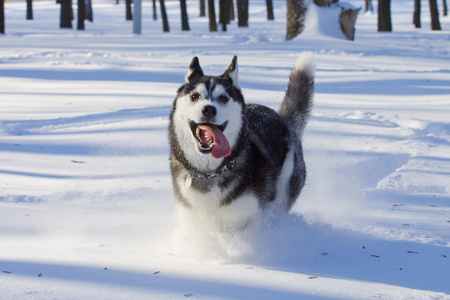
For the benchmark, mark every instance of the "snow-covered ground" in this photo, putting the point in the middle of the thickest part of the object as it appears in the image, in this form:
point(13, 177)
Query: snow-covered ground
point(86, 205)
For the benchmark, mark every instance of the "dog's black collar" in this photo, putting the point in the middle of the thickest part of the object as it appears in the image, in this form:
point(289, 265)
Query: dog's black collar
point(194, 173)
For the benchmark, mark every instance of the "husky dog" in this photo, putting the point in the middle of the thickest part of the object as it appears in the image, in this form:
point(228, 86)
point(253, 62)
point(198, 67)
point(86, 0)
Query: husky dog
point(230, 160)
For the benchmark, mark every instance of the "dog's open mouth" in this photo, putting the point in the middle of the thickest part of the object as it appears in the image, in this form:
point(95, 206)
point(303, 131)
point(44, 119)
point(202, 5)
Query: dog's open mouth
point(210, 138)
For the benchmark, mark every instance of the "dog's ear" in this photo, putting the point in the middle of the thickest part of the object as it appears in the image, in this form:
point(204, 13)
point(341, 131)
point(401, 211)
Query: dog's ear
point(232, 73)
point(195, 71)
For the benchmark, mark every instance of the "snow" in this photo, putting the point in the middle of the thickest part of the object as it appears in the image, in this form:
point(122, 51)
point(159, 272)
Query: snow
point(86, 203)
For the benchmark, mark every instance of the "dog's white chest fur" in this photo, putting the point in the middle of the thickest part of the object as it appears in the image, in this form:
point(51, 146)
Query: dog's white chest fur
point(206, 206)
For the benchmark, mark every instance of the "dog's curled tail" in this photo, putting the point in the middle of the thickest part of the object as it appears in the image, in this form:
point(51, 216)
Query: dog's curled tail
point(298, 100)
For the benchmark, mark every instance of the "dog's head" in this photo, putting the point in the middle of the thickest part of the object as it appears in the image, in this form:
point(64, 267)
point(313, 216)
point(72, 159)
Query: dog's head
point(208, 115)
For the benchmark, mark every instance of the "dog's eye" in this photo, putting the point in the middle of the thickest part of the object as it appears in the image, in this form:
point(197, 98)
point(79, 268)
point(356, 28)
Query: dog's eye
point(223, 99)
point(195, 96)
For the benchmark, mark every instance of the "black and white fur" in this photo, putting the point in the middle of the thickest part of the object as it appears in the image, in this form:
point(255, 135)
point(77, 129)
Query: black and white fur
point(265, 167)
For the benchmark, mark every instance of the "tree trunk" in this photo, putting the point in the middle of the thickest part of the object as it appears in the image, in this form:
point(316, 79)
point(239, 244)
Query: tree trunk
point(445, 9)
point(224, 13)
point(81, 11)
point(88, 15)
point(29, 9)
point(435, 24)
point(384, 15)
point(242, 9)
point(322, 3)
point(369, 6)
point(231, 6)
point(164, 16)
point(155, 15)
point(137, 16)
point(212, 16)
point(128, 13)
point(270, 15)
point(66, 14)
point(202, 8)
point(295, 19)
point(184, 16)
point(2, 16)
point(416, 17)
point(347, 19)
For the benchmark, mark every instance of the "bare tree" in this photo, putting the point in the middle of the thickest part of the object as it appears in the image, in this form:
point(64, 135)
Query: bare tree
point(242, 10)
point(224, 13)
point(416, 16)
point(212, 16)
point(184, 16)
point(88, 14)
point(81, 12)
point(164, 16)
point(231, 6)
point(384, 15)
point(29, 9)
point(202, 8)
point(435, 24)
point(347, 20)
point(2, 16)
point(155, 15)
point(128, 13)
point(369, 6)
point(270, 15)
point(295, 19)
point(66, 15)
point(137, 16)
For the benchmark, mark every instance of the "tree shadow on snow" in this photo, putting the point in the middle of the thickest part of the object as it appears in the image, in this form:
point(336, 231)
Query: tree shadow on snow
point(134, 282)
point(320, 250)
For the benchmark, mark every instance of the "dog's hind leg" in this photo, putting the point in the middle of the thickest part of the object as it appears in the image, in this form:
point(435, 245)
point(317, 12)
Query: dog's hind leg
point(292, 177)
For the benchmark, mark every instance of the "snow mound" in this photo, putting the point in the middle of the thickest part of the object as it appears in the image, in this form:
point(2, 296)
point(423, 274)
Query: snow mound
point(323, 22)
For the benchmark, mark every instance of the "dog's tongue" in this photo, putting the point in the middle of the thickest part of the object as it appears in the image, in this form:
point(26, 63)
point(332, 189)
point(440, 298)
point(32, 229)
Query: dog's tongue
point(222, 147)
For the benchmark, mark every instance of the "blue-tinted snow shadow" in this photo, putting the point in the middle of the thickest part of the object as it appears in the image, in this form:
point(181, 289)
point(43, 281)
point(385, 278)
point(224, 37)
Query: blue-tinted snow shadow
point(394, 87)
point(76, 125)
point(96, 75)
point(85, 177)
point(31, 138)
point(387, 87)
point(391, 87)
point(141, 281)
point(434, 132)
point(23, 127)
point(318, 242)
point(323, 251)
point(319, 248)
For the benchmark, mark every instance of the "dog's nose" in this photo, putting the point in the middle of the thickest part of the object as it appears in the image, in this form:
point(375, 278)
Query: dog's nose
point(209, 111)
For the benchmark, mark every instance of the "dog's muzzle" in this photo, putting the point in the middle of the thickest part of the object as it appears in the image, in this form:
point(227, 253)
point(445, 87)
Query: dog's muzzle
point(210, 137)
